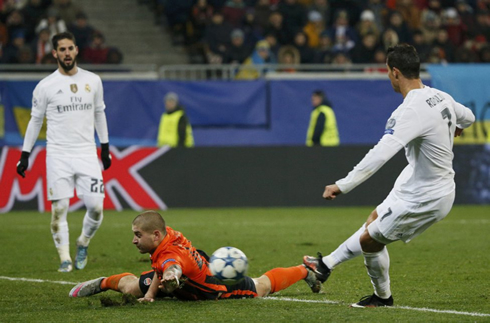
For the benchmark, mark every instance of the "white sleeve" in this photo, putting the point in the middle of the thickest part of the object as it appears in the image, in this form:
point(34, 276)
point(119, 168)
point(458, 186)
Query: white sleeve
point(99, 97)
point(464, 116)
point(101, 126)
point(39, 102)
point(386, 148)
point(32, 132)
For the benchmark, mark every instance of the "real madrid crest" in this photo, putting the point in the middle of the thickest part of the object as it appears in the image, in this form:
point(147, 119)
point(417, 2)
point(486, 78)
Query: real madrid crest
point(74, 88)
point(87, 88)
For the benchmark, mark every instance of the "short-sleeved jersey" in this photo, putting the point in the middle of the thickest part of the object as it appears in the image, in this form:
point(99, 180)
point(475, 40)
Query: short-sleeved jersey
point(198, 282)
point(69, 104)
point(425, 124)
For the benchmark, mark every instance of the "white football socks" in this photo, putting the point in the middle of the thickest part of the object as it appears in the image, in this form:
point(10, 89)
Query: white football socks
point(348, 250)
point(59, 228)
point(378, 267)
point(92, 219)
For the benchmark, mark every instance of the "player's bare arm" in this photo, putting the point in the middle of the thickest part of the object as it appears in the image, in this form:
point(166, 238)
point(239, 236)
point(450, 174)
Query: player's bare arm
point(171, 279)
point(331, 192)
point(152, 291)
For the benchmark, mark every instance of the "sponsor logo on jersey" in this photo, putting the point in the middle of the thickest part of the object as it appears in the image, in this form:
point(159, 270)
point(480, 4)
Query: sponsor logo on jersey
point(87, 88)
point(74, 88)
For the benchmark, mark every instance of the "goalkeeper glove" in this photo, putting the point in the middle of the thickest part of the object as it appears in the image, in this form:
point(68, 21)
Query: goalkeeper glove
point(23, 163)
point(105, 155)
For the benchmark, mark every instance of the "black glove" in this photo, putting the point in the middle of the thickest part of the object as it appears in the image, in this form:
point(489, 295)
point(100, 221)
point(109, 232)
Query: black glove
point(23, 163)
point(105, 156)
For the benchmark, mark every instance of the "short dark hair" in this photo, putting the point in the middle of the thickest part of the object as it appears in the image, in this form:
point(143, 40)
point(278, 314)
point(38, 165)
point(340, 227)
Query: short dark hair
point(319, 93)
point(405, 58)
point(60, 36)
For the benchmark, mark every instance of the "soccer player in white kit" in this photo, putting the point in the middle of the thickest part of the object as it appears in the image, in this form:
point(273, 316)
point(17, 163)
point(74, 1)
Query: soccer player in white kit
point(425, 124)
point(72, 99)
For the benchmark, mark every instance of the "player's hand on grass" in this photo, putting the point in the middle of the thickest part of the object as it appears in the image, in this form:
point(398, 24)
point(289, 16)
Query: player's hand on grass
point(458, 132)
point(105, 155)
point(146, 299)
point(331, 192)
point(170, 281)
point(23, 163)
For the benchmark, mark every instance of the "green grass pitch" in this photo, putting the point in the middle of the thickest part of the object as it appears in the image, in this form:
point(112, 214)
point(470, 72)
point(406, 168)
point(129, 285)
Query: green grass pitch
point(441, 276)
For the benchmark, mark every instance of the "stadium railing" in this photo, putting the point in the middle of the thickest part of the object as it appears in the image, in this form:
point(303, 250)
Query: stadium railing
point(202, 72)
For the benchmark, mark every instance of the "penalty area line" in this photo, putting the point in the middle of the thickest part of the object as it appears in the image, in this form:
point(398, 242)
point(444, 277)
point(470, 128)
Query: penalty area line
point(284, 299)
point(324, 301)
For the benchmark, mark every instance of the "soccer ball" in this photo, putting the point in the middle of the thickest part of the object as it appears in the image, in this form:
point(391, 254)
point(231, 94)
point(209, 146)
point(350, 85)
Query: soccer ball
point(229, 265)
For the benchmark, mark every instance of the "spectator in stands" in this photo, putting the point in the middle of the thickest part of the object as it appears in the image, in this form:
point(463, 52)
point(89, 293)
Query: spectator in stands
point(314, 28)
point(343, 35)
point(234, 12)
point(82, 31)
point(363, 52)
point(33, 12)
point(251, 68)
point(25, 55)
point(6, 9)
point(289, 55)
point(341, 59)
point(49, 59)
point(114, 56)
point(253, 33)
point(367, 24)
point(482, 27)
point(389, 38)
point(400, 27)
point(430, 25)
point(201, 16)
point(324, 53)
point(177, 13)
point(96, 52)
point(485, 54)
point(322, 130)
point(323, 8)
point(175, 129)
point(12, 50)
point(67, 10)
point(307, 54)
point(294, 17)
point(262, 13)
point(423, 49)
point(273, 43)
point(217, 39)
point(410, 13)
point(379, 10)
point(238, 50)
point(4, 36)
point(466, 13)
point(276, 27)
point(42, 45)
point(53, 22)
point(15, 23)
point(453, 25)
point(443, 48)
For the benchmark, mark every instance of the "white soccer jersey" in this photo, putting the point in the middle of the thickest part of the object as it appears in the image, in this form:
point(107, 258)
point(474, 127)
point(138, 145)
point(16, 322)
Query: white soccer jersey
point(424, 124)
point(70, 104)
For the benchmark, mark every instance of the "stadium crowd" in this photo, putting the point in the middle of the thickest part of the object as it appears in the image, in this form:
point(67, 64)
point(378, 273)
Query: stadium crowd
point(326, 31)
point(26, 28)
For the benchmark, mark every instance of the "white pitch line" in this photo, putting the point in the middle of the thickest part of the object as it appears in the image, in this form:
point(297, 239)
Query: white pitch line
point(32, 280)
point(394, 307)
point(287, 299)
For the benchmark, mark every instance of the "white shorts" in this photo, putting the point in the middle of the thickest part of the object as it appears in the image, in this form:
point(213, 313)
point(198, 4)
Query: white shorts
point(401, 220)
point(63, 174)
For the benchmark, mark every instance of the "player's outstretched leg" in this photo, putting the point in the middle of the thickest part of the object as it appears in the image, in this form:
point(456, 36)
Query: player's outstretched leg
point(316, 265)
point(126, 283)
point(87, 288)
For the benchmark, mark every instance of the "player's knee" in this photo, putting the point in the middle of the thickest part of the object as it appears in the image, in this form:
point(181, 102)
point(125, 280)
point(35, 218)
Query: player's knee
point(59, 209)
point(262, 286)
point(95, 207)
point(368, 244)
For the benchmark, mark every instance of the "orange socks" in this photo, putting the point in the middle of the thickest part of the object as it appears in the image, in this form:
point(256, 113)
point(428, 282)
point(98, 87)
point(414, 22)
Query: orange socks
point(112, 282)
point(282, 278)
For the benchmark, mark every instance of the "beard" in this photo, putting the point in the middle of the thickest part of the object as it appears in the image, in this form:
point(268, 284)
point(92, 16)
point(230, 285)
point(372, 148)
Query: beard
point(66, 67)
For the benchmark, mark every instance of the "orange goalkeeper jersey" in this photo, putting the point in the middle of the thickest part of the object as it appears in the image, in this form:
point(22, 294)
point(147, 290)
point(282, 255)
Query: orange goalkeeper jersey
point(197, 281)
